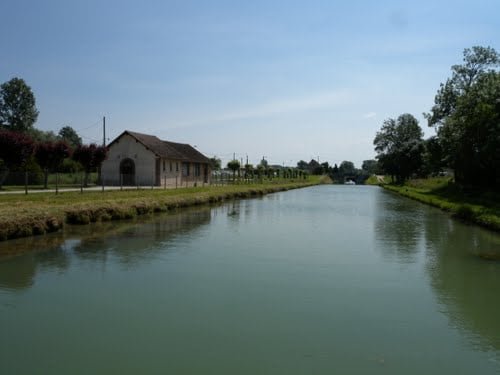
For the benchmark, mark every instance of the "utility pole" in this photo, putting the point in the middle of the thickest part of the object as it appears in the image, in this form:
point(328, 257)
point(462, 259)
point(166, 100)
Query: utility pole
point(103, 145)
point(104, 130)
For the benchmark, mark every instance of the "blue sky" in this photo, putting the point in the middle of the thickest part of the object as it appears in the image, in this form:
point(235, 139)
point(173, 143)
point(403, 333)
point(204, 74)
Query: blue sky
point(287, 80)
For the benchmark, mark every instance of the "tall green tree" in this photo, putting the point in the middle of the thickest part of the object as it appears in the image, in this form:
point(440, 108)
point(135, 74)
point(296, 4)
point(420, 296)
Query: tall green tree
point(50, 156)
point(215, 163)
point(16, 150)
point(433, 157)
point(42, 136)
point(399, 145)
point(17, 106)
point(470, 137)
point(476, 62)
point(315, 168)
point(327, 169)
point(370, 166)
point(466, 116)
point(90, 157)
point(302, 165)
point(248, 170)
point(234, 165)
point(68, 134)
point(347, 168)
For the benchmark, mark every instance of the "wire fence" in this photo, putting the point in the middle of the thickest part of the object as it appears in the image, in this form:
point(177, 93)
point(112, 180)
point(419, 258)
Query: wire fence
point(80, 181)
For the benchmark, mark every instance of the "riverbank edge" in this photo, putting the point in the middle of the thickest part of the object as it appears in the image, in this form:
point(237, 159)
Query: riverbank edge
point(47, 221)
point(463, 211)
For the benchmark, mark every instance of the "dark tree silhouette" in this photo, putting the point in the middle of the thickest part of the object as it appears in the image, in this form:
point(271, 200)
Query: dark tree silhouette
point(15, 151)
point(50, 155)
point(90, 157)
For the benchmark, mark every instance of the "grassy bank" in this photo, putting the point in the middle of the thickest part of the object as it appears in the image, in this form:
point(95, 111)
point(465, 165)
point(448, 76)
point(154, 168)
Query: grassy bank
point(27, 215)
point(471, 205)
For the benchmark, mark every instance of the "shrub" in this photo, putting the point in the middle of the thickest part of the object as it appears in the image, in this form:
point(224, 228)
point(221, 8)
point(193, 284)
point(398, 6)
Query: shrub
point(465, 212)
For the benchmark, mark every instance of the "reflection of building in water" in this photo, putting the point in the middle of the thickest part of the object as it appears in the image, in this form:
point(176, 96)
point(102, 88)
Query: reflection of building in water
point(467, 286)
point(129, 242)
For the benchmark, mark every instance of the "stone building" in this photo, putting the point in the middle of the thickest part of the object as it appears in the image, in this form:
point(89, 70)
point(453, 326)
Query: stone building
point(136, 159)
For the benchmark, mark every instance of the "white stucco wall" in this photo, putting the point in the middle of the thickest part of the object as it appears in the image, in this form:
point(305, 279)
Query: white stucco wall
point(145, 166)
point(128, 147)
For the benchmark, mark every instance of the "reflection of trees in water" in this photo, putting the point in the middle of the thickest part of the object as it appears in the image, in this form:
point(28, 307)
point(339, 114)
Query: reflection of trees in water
point(237, 211)
point(467, 286)
point(16, 247)
point(140, 242)
point(129, 242)
point(234, 209)
point(17, 271)
point(398, 227)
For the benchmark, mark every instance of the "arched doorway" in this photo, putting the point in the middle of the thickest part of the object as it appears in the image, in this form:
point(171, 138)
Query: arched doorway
point(127, 172)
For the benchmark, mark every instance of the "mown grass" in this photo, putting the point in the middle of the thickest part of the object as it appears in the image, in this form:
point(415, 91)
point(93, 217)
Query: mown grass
point(471, 205)
point(26, 215)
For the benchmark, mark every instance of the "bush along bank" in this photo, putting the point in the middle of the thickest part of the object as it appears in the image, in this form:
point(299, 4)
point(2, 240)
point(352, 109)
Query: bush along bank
point(44, 216)
point(462, 208)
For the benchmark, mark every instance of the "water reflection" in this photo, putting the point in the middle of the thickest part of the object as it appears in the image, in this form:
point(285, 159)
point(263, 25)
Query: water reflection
point(17, 271)
point(465, 284)
point(127, 242)
point(398, 227)
point(19, 275)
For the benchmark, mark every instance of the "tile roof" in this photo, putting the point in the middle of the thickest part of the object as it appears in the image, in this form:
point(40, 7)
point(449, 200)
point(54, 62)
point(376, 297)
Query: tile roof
point(166, 149)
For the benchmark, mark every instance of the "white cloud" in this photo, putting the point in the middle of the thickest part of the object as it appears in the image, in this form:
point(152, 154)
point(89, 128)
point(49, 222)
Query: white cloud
point(370, 115)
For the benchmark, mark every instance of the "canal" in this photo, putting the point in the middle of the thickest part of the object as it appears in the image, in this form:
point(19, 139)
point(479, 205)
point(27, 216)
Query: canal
point(323, 280)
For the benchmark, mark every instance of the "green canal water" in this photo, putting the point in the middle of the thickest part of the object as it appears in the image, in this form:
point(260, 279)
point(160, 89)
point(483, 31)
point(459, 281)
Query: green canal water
point(323, 280)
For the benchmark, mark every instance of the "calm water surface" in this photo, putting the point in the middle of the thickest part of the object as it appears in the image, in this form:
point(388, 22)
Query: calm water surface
point(330, 279)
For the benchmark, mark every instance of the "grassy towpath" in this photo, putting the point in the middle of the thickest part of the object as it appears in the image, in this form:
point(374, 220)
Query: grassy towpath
point(476, 206)
point(33, 214)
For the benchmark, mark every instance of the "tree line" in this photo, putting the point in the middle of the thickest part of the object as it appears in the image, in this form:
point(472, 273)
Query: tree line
point(466, 118)
point(249, 172)
point(343, 172)
point(25, 148)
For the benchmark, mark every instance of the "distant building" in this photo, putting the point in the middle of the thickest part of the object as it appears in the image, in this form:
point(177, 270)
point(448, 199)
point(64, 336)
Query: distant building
point(141, 159)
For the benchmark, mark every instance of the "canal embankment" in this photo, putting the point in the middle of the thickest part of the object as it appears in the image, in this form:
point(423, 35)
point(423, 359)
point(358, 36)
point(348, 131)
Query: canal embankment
point(29, 215)
point(473, 206)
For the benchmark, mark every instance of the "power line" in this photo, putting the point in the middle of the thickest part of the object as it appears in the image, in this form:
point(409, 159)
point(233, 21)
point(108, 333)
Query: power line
point(90, 139)
point(88, 127)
